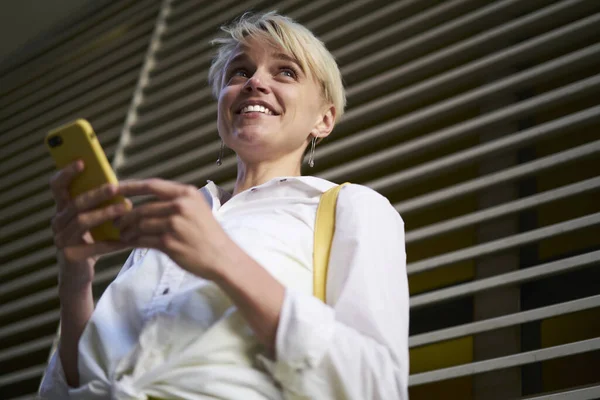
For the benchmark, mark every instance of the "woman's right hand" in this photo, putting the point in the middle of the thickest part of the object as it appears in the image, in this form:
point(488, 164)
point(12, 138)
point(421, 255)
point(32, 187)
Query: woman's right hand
point(77, 251)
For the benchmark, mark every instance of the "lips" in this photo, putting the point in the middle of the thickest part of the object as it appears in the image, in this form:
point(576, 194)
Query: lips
point(259, 109)
point(256, 106)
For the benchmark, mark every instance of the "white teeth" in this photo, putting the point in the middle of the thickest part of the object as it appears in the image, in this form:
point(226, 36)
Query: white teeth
point(256, 108)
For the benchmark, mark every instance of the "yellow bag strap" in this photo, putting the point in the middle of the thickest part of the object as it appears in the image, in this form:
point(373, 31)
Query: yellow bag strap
point(324, 229)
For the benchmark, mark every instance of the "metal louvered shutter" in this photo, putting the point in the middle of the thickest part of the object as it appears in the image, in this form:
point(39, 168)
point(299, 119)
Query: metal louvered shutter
point(460, 112)
point(90, 71)
point(475, 118)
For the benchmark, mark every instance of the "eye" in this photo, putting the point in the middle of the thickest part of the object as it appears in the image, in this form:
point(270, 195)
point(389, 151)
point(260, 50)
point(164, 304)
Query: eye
point(289, 72)
point(239, 72)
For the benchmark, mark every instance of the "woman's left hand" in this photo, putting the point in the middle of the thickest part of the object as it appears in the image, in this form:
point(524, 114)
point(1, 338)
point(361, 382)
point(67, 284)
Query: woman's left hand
point(180, 224)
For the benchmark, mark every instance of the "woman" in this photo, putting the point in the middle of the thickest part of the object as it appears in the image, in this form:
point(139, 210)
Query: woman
point(216, 299)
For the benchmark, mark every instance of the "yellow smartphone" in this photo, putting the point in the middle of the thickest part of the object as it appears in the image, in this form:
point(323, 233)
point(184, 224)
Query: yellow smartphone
point(77, 141)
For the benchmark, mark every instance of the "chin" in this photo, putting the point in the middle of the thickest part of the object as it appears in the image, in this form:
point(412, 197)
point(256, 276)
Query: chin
point(251, 135)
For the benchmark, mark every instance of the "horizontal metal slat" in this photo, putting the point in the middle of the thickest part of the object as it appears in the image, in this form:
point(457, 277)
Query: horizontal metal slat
point(29, 161)
point(205, 28)
point(47, 254)
point(199, 155)
point(26, 348)
point(506, 175)
point(207, 114)
point(420, 117)
point(24, 303)
point(328, 20)
point(88, 31)
point(48, 273)
point(488, 214)
point(585, 393)
point(33, 322)
point(35, 166)
point(308, 8)
point(439, 36)
point(101, 99)
point(101, 278)
point(482, 43)
point(186, 17)
point(182, 12)
point(171, 93)
point(30, 186)
point(405, 32)
point(191, 60)
point(212, 171)
point(31, 396)
point(35, 203)
point(57, 85)
point(29, 223)
point(179, 9)
point(517, 277)
point(178, 59)
point(483, 65)
point(562, 125)
point(21, 283)
point(529, 357)
point(182, 105)
point(511, 142)
point(36, 150)
point(192, 156)
point(443, 63)
point(33, 240)
point(359, 24)
point(21, 375)
point(505, 243)
point(504, 321)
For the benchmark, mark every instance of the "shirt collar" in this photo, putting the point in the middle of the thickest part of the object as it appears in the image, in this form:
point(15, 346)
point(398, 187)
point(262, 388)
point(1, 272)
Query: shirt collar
point(217, 196)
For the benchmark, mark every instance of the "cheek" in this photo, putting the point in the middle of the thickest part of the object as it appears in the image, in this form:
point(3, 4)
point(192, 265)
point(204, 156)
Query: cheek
point(224, 105)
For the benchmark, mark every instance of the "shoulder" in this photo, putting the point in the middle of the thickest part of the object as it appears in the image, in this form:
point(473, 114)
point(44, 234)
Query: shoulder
point(365, 202)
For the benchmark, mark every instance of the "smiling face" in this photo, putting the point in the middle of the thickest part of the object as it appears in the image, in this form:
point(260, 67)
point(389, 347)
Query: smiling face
point(268, 106)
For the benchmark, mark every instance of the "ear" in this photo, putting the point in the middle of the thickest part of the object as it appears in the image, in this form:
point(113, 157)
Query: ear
point(325, 123)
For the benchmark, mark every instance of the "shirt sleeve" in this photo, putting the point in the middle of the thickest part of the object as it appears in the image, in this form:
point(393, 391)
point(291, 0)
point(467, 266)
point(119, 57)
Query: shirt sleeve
point(356, 346)
point(54, 383)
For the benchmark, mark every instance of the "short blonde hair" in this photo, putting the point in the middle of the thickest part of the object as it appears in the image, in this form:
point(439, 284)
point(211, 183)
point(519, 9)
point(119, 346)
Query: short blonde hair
point(294, 39)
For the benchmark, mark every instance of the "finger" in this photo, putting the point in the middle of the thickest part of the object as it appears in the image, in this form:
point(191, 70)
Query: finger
point(85, 221)
point(162, 242)
point(95, 197)
point(61, 180)
point(152, 226)
point(62, 218)
point(83, 251)
point(129, 206)
point(86, 201)
point(154, 210)
point(163, 189)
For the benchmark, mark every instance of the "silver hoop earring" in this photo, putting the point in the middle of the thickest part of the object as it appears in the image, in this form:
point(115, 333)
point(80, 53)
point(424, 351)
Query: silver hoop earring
point(221, 151)
point(311, 157)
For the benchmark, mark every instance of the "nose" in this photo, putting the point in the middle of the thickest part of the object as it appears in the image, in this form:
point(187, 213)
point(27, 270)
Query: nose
point(256, 83)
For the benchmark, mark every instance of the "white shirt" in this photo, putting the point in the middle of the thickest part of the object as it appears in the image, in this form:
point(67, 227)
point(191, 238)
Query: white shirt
point(159, 331)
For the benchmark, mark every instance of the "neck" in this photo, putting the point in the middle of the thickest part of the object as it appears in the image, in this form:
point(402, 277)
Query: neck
point(250, 174)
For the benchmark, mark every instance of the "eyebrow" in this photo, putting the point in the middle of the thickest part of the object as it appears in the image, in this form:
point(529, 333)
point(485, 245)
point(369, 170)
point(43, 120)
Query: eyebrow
point(285, 57)
point(240, 57)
